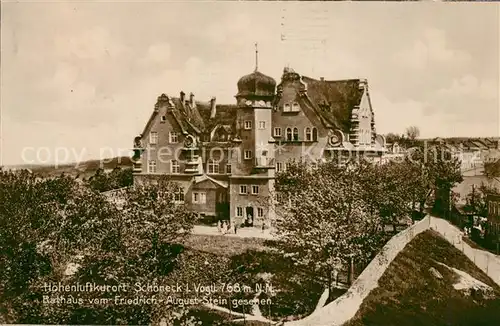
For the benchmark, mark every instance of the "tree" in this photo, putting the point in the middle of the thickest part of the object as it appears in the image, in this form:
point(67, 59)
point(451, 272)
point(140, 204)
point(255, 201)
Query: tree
point(476, 199)
point(151, 210)
point(412, 132)
point(48, 223)
point(45, 222)
point(492, 169)
point(388, 190)
point(118, 178)
point(324, 221)
point(433, 169)
point(392, 138)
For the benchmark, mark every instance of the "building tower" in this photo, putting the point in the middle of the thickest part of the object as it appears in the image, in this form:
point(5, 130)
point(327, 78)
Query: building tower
point(255, 167)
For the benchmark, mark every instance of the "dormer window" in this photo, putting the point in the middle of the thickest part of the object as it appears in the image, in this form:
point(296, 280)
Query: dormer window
point(295, 107)
point(287, 107)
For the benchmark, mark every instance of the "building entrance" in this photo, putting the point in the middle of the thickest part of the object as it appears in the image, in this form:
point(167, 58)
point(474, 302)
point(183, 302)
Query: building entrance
point(249, 216)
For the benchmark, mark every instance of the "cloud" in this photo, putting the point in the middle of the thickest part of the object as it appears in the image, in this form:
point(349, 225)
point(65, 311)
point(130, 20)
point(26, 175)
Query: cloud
point(157, 53)
point(431, 48)
point(469, 85)
point(434, 117)
point(93, 44)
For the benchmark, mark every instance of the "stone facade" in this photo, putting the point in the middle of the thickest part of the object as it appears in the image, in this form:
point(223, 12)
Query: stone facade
point(226, 156)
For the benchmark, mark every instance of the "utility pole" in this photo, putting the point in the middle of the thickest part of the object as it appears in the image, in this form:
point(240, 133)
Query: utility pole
point(473, 198)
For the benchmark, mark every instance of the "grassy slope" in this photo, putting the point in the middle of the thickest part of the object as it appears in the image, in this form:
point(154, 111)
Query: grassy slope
point(251, 258)
point(408, 294)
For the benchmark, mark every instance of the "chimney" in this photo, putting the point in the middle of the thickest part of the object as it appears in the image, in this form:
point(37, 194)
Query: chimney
point(322, 78)
point(213, 110)
point(182, 97)
point(191, 100)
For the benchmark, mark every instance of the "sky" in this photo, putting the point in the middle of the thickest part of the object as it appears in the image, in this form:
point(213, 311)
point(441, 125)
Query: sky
point(80, 80)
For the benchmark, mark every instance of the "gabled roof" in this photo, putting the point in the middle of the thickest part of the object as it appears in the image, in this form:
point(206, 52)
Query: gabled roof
point(205, 177)
point(334, 100)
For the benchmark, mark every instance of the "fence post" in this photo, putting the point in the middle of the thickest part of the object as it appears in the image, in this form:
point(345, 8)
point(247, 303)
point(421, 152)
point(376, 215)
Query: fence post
point(487, 263)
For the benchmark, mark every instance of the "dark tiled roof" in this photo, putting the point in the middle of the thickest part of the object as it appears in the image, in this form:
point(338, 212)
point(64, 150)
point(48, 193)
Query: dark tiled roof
point(189, 117)
point(334, 100)
point(225, 115)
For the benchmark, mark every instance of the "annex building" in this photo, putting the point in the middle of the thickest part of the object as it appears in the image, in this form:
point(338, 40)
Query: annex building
point(226, 156)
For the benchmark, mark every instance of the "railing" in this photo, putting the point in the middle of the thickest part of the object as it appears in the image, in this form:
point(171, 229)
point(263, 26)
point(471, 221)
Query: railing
point(265, 162)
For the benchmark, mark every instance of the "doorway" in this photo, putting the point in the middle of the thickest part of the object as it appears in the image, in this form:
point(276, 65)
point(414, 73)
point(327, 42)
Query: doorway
point(249, 216)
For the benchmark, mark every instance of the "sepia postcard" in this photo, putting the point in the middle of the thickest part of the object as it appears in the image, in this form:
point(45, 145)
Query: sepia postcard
point(298, 163)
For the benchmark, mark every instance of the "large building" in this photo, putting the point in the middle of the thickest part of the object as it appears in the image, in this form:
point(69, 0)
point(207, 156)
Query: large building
point(226, 156)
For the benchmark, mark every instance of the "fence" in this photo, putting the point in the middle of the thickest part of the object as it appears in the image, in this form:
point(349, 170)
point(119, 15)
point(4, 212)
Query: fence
point(486, 261)
point(346, 306)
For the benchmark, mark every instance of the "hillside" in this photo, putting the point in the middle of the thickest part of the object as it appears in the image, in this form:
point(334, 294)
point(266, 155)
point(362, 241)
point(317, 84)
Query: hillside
point(420, 287)
point(83, 169)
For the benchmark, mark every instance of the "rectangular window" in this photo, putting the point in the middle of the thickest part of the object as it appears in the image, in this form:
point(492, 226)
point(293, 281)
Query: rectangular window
point(239, 211)
point(213, 167)
point(175, 167)
point(262, 125)
point(173, 137)
point(279, 166)
point(179, 196)
point(153, 138)
point(287, 166)
point(228, 168)
point(248, 154)
point(277, 132)
point(260, 212)
point(152, 166)
point(243, 190)
point(248, 124)
point(255, 190)
point(199, 198)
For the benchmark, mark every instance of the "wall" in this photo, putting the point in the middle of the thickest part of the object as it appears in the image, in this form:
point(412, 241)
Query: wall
point(346, 306)
point(486, 261)
point(163, 151)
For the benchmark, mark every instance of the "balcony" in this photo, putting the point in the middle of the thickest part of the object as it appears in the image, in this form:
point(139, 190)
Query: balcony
point(264, 162)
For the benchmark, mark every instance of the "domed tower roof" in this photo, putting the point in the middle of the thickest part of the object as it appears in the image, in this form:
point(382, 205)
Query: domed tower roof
point(256, 84)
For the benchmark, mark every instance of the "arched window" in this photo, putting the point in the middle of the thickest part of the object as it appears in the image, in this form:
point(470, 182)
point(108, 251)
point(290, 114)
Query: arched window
point(286, 107)
point(295, 107)
point(308, 134)
point(315, 134)
point(295, 134)
point(289, 134)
